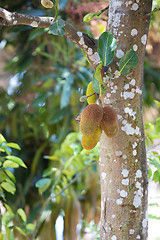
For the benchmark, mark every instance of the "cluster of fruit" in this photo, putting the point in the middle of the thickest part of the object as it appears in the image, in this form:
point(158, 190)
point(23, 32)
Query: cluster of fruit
point(93, 120)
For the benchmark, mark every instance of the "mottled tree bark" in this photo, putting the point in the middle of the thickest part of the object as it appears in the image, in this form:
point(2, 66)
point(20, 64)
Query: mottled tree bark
point(123, 166)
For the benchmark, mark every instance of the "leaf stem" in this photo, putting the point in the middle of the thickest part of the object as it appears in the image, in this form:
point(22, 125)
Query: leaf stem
point(57, 10)
point(102, 11)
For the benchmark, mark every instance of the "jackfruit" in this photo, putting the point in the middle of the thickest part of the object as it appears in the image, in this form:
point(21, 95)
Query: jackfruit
point(109, 122)
point(90, 90)
point(90, 118)
point(90, 141)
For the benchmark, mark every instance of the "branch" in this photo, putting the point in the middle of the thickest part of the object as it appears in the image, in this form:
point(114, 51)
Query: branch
point(152, 147)
point(56, 195)
point(83, 40)
point(151, 13)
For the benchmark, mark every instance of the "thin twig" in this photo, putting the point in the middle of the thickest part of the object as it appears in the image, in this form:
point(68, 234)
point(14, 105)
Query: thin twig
point(153, 147)
point(56, 195)
point(103, 10)
point(151, 13)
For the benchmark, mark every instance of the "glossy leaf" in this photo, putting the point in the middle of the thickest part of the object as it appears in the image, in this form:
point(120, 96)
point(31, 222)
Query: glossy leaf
point(10, 175)
point(156, 176)
point(3, 176)
point(45, 186)
point(99, 88)
point(11, 164)
point(13, 145)
point(42, 182)
point(128, 62)
point(57, 27)
point(9, 210)
point(22, 214)
point(2, 139)
point(16, 160)
point(97, 73)
point(149, 172)
point(157, 103)
point(9, 187)
point(106, 47)
point(95, 85)
point(88, 17)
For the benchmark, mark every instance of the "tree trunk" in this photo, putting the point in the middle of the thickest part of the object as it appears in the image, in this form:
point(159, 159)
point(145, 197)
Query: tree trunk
point(123, 165)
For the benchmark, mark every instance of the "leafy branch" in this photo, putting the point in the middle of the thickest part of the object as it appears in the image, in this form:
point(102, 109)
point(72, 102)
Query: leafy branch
point(107, 45)
point(56, 195)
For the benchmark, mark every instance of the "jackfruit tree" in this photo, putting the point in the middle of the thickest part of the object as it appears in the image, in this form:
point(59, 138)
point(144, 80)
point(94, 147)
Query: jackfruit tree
point(117, 58)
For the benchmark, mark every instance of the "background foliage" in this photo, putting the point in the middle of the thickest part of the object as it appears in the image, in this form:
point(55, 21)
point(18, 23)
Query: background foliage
point(44, 76)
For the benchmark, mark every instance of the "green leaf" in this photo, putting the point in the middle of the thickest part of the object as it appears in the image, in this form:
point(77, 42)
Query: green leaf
point(49, 171)
point(21, 231)
point(106, 47)
point(95, 85)
point(57, 27)
point(153, 217)
point(128, 62)
point(13, 145)
point(2, 139)
point(103, 88)
point(42, 182)
point(98, 87)
point(149, 172)
point(22, 214)
point(155, 160)
point(11, 164)
point(16, 160)
point(30, 227)
point(1, 149)
point(97, 73)
point(3, 176)
point(9, 210)
point(157, 103)
point(88, 17)
point(10, 175)
point(9, 187)
point(156, 176)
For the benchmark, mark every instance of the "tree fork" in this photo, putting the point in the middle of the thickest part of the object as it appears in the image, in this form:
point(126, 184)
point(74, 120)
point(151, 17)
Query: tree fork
point(123, 165)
